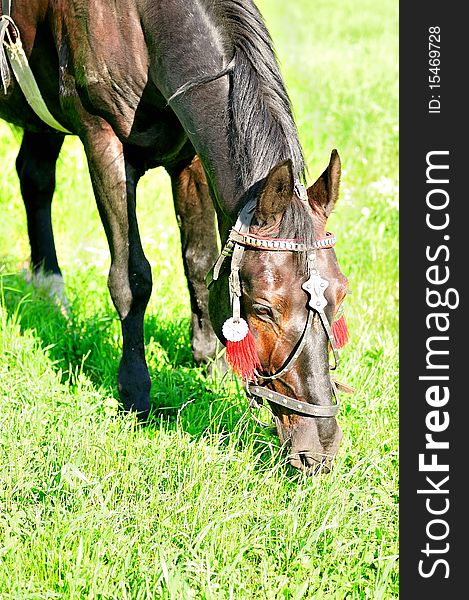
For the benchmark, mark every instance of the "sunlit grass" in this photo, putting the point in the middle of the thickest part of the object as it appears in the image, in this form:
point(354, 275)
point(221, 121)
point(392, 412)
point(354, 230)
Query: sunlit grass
point(201, 504)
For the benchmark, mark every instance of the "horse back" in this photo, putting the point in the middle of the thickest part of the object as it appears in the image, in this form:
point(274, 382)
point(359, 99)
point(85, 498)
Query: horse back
point(87, 57)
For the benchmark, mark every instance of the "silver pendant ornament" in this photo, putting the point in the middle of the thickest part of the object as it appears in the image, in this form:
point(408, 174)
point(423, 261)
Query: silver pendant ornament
point(315, 286)
point(235, 330)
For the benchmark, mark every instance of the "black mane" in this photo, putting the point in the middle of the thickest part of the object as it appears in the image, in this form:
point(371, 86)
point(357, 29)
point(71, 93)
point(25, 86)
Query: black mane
point(297, 223)
point(261, 125)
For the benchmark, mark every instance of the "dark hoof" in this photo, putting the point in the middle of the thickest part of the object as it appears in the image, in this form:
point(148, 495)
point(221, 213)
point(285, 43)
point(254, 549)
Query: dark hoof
point(135, 403)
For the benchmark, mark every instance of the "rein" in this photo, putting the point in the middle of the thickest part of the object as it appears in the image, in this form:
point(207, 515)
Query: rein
point(235, 329)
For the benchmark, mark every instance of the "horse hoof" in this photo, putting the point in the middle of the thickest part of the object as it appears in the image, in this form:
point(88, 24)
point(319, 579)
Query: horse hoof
point(135, 403)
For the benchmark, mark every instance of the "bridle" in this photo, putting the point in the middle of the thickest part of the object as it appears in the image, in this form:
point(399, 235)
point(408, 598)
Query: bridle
point(240, 238)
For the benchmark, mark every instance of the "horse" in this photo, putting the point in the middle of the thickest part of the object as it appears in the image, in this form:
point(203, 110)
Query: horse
point(192, 86)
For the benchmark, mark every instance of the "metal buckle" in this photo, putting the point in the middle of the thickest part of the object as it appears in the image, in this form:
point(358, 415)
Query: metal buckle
point(300, 191)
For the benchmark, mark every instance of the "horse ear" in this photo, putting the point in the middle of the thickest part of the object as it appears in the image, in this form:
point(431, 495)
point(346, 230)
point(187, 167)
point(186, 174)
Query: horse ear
point(276, 193)
point(325, 192)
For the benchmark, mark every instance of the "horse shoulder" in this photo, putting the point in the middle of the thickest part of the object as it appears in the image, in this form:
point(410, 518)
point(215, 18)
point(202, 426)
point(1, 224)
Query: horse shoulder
point(108, 58)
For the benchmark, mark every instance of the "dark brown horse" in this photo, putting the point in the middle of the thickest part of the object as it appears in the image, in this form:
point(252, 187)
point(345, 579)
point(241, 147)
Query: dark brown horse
point(193, 86)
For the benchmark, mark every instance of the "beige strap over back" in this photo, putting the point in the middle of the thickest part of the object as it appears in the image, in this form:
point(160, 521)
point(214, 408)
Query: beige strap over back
point(10, 42)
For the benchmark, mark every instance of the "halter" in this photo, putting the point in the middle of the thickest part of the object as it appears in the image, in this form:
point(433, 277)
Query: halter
point(239, 238)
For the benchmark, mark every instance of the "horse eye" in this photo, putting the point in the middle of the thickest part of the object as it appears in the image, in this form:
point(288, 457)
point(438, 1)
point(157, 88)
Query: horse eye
point(262, 311)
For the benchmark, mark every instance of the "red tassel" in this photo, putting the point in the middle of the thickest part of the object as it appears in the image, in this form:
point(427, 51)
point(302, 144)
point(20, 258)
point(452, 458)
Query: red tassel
point(340, 332)
point(242, 357)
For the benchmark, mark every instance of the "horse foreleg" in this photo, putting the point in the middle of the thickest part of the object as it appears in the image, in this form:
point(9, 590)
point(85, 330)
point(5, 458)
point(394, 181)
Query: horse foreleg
point(196, 218)
point(35, 166)
point(114, 182)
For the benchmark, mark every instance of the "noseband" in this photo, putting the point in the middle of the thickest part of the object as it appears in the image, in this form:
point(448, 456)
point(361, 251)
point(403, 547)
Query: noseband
point(240, 238)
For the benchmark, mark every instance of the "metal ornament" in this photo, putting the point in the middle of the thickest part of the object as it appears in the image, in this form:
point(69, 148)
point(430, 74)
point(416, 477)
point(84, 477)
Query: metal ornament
point(300, 191)
point(315, 286)
point(235, 330)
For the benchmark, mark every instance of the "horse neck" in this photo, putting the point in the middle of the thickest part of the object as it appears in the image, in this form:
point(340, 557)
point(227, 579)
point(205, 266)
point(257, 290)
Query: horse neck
point(185, 44)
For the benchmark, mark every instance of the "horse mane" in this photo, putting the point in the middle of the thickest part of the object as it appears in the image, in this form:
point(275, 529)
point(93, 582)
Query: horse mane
point(297, 223)
point(261, 124)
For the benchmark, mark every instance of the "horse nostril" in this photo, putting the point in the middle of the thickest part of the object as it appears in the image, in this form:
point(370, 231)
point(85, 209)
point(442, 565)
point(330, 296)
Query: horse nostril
point(311, 463)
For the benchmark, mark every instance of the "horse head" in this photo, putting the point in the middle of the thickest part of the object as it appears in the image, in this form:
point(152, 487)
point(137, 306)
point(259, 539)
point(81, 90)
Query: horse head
point(290, 289)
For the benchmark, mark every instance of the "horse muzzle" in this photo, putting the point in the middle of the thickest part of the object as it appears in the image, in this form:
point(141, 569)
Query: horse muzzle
point(311, 442)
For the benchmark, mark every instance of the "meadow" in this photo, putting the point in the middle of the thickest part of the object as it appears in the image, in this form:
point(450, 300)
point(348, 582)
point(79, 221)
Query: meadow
point(201, 503)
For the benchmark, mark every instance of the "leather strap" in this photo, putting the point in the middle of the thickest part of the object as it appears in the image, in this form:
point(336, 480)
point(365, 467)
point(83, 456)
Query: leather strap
point(294, 355)
point(242, 224)
point(21, 69)
point(5, 75)
point(310, 410)
point(278, 244)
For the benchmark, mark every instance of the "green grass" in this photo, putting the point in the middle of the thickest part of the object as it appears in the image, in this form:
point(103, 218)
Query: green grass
point(201, 504)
